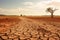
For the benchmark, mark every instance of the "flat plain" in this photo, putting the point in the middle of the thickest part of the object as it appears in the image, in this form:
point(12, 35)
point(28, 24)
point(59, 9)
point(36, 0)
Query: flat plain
point(29, 28)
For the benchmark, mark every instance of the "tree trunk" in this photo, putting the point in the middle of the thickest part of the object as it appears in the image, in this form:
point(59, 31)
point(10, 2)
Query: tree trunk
point(52, 15)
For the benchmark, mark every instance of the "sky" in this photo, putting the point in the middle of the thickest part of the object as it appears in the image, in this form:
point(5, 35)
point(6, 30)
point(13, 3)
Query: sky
point(28, 7)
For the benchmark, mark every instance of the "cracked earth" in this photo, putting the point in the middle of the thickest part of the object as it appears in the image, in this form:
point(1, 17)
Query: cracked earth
point(28, 29)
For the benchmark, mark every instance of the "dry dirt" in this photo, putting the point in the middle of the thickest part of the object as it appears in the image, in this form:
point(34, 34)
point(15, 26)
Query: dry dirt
point(28, 28)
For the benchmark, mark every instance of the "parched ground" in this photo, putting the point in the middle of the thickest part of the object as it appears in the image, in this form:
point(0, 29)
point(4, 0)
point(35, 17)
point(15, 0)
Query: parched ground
point(25, 28)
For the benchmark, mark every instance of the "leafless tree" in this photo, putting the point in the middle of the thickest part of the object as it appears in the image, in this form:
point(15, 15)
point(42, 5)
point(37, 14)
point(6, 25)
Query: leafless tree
point(51, 10)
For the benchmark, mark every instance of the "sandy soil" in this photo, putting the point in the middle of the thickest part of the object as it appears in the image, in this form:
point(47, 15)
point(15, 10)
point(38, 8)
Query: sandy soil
point(29, 28)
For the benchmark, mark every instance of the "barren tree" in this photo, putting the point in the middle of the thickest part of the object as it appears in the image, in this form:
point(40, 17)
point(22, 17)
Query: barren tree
point(21, 15)
point(51, 11)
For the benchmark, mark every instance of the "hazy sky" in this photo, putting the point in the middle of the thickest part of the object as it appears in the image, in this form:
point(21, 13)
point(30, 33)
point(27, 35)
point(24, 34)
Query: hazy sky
point(28, 7)
point(16, 3)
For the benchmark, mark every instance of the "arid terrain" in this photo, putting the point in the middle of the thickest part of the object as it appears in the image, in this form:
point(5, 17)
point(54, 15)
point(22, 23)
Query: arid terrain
point(29, 28)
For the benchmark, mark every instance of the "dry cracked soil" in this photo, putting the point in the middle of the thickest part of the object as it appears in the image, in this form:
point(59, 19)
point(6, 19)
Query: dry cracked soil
point(28, 29)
